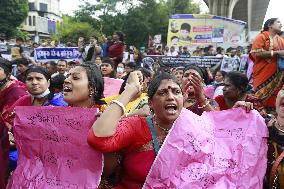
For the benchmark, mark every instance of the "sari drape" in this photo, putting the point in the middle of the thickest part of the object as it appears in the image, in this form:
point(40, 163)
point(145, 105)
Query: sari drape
point(267, 79)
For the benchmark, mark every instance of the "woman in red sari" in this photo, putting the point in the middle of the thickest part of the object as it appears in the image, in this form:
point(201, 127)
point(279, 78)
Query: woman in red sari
point(267, 47)
point(10, 91)
point(138, 138)
point(115, 51)
point(235, 94)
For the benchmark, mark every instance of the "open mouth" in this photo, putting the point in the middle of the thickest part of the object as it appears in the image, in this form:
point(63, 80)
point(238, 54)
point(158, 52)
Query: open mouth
point(171, 108)
point(67, 89)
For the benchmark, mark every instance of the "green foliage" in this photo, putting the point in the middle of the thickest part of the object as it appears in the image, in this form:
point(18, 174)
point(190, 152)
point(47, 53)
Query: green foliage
point(137, 19)
point(12, 14)
point(70, 30)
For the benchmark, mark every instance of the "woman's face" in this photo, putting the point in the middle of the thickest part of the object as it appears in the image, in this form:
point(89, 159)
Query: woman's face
point(280, 103)
point(98, 61)
point(167, 102)
point(219, 77)
point(230, 91)
point(36, 83)
point(2, 74)
point(187, 76)
point(106, 69)
point(277, 26)
point(76, 88)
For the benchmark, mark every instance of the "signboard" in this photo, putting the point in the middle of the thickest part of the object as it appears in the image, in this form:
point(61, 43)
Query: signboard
point(48, 54)
point(183, 61)
point(193, 30)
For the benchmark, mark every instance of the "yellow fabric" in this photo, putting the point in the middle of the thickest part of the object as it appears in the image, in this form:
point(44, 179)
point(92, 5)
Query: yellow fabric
point(131, 106)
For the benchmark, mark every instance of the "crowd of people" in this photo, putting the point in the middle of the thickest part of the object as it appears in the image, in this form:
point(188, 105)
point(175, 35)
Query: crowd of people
point(150, 99)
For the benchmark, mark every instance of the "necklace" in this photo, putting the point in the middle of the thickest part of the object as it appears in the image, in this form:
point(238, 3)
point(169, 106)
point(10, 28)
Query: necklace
point(162, 128)
point(279, 127)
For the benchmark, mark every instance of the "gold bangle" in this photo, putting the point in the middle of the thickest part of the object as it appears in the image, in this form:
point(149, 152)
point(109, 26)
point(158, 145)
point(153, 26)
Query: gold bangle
point(201, 107)
point(272, 53)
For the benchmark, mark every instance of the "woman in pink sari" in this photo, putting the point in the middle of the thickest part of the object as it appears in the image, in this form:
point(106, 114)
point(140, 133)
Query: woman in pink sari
point(137, 138)
point(10, 91)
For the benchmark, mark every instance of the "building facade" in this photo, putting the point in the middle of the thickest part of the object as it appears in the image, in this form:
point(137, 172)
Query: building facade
point(43, 17)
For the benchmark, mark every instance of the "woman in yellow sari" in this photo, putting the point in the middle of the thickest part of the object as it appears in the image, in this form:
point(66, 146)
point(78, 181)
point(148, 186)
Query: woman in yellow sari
point(267, 47)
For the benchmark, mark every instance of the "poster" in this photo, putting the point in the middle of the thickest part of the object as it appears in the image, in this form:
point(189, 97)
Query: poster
point(218, 150)
point(183, 61)
point(111, 86)
point(48, 54)
point(230, 64)
point(194, 30)
point(53, 149)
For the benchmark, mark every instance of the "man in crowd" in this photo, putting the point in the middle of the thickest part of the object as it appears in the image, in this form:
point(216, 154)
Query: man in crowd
point(61, 68)
point(22, 66)
point(17, 50)
point(51, 67)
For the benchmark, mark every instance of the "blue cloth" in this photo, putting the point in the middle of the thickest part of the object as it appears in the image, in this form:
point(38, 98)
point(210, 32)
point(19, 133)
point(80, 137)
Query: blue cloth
point(13, 158)
point(105, 47)
point(57, 100)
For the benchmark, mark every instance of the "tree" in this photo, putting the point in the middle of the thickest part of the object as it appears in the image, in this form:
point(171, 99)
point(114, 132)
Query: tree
point(12, 14)
point(70, 30)
point(137, 19)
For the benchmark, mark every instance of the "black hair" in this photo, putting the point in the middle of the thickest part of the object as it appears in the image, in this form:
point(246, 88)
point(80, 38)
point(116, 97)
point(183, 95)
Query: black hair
point(108, 61)
point(219, 50)
point(145, 72)
point(62, 60)
point(174, 37)
point(96, 81)
point(120, 35)
point(95, 36)
point(196, 68)
point(185, 26)
point(71, 63)
point(268, 23)
point(56, 83)
point(223, 73)
point(19, 39)
point(155, 83)
point(131, 65)
point(52, 63)
point(6, 65)
point(239, 80)
point(40, 70)
point(22, 61)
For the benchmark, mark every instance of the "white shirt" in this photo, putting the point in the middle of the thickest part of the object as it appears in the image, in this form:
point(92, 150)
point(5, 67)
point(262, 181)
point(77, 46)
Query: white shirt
point(175, 53)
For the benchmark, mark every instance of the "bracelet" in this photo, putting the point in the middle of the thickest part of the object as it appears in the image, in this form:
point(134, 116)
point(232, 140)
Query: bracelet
point(201, 107)
point(120, 105)
point(272, 53)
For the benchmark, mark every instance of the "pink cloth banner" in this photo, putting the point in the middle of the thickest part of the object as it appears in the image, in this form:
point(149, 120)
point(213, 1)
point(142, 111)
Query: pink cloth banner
point(218, 150)
point(53, 149)
point(209, 91)
point(111, 86)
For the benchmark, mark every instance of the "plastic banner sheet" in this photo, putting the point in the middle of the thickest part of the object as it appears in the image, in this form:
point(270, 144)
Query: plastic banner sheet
point(53, 149)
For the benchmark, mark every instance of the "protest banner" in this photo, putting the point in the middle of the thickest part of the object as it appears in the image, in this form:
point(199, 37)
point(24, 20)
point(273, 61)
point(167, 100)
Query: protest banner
point(195, 30)
point(111, 86)
point(183, 61)
point(48, 54)
point(53, 149)
point(230, 64)
point(218, 150)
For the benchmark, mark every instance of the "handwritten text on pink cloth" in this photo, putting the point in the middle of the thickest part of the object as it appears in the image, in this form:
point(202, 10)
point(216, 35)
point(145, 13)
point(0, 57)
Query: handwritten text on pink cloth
point(111, 86)
point(218, 150)
point(53, 149)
